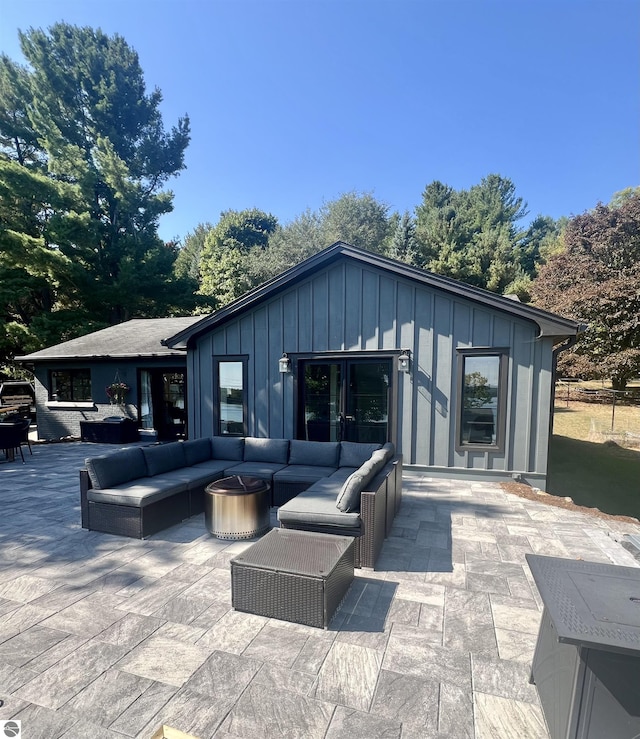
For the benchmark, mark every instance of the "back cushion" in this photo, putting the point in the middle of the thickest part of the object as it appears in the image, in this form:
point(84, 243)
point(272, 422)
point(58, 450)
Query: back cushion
point(227, 447)
point(389, 450)
point(266, 450)
point(164, 458)
point(317, 453)
point(349, 496)
point(354, 454)
point(379, 459)
point(110, 470)
point(197, 450)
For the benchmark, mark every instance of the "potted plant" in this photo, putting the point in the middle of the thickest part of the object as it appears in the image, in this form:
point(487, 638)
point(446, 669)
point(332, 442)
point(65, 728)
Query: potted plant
point(117, 393)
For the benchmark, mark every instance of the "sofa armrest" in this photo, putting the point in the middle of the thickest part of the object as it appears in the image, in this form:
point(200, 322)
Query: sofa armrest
point(398, 480)
point(85, 485)
point(373, 512)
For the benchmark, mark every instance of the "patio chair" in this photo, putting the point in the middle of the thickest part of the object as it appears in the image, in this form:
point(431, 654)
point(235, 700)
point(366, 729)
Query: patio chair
point(11, 439)
point(24, 423)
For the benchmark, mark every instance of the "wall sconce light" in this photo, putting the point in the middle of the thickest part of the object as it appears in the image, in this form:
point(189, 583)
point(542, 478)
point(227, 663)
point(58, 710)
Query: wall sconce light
point(404, 361)
point(284, 364)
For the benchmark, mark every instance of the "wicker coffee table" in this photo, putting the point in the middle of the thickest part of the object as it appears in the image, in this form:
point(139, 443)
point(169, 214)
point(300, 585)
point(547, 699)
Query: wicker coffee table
point(294, 576)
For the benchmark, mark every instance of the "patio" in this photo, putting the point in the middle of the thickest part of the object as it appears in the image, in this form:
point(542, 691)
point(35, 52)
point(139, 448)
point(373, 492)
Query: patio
point(103, 636)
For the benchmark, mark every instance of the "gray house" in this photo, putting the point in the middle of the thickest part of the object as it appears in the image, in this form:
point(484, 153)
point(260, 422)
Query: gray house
point(71, 379)
point(351, 345)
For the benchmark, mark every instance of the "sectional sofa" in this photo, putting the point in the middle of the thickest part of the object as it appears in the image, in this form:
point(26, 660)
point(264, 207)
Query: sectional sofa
point(346, 488)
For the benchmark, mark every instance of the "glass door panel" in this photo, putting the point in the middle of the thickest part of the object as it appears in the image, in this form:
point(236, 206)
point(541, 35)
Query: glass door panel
point(322, 404)
point(345, 400)
point(367, 416)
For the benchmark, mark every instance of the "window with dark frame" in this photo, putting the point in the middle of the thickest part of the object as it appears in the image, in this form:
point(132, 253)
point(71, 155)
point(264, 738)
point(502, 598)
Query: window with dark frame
point(72, 385)
point(482, 398)
point(231, 406)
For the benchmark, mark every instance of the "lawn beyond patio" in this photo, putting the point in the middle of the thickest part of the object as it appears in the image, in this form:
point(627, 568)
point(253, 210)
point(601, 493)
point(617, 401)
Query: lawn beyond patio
point(603, 476)
point(584, 466)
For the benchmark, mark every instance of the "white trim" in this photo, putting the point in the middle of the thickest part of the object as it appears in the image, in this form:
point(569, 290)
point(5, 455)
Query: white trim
point(69, 404)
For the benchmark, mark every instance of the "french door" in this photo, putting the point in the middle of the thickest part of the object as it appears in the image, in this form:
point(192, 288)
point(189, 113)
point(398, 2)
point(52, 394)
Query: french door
point(344, 399)
point(163, 402)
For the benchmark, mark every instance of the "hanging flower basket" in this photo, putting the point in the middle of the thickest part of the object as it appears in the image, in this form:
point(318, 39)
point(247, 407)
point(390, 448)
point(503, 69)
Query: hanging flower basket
point(117, 392)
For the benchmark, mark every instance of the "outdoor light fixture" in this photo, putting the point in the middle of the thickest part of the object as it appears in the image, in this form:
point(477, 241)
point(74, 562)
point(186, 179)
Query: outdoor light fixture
point(284, 363)
point(404, 361)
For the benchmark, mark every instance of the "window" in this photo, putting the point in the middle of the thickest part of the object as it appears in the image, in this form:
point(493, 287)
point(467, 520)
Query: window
point(71, 385)
point(482, 398)
point(231, 406)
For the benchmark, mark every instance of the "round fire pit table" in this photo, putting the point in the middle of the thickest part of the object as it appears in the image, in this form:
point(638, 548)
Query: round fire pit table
point(237, 507)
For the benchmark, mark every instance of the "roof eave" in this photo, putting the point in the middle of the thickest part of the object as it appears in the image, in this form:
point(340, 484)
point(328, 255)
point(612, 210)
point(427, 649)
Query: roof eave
point(549, 324)
point(77, 357)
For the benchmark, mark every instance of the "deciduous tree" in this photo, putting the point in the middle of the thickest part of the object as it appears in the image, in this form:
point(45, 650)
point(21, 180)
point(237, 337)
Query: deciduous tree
point(596, 280)
point(223, 269)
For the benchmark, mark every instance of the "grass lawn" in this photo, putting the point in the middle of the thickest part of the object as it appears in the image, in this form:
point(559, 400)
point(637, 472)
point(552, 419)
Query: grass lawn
point(594, 474)
point(577, 420)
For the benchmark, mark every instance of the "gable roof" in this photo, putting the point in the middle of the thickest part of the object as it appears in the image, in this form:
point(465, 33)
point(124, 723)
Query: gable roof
point(549, 324)
point(141, 337)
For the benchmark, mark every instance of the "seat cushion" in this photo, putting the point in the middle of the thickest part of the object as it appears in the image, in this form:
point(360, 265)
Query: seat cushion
point(197, 450)
point(139, 493)
point(261, 470)
point(317, 506)
point(273, 451)
point(318, 453)
point(227, 447)
point(110, 470)
point(303, 473)
point(164, 458)
point(198, 476)
point(355, 454)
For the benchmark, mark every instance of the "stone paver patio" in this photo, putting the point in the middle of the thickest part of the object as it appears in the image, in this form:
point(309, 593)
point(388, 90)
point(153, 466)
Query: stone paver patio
point(103, 636)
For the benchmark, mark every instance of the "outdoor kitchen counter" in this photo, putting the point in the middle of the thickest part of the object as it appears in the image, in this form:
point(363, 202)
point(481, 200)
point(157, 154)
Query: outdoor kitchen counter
point(586, 665)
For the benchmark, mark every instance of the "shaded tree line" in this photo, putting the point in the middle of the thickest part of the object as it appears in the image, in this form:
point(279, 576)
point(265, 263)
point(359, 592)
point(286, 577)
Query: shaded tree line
point(84, 160)
point(471, 235)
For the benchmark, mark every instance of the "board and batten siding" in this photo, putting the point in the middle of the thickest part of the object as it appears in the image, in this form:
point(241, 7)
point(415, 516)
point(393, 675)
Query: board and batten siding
point(350, 307)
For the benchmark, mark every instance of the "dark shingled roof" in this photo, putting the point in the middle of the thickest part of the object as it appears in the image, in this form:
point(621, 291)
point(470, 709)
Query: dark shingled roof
point(140, 337)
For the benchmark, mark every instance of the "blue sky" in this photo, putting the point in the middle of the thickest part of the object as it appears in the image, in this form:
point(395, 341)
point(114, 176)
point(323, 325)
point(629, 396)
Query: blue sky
point(294, 102)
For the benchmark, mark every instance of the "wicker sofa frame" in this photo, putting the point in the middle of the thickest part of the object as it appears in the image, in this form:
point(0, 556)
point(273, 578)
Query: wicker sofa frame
point(379, 503)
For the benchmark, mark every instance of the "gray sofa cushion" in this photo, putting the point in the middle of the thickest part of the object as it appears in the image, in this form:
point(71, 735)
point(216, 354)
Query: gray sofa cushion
point(317, 506)
point(389, 449)
point(197, 450)
point(261, 470)
point(341, 474)
point(379, 458)
point(316, 453)
point(199, 475)
point(109, 470)
point(274, 451)
point(138, 493)
point(227, 447)
point(349, 496)
point(303, 473)
point(355, 454)
point(164, 458)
